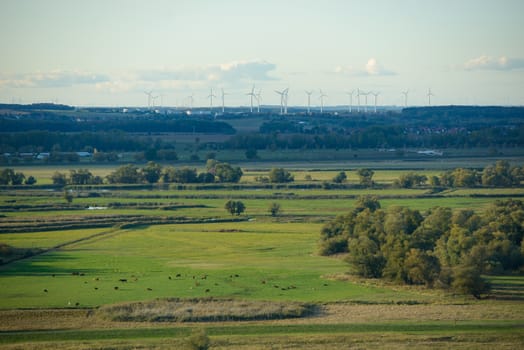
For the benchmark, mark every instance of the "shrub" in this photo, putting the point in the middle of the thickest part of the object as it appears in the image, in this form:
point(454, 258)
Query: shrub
point(198, 340)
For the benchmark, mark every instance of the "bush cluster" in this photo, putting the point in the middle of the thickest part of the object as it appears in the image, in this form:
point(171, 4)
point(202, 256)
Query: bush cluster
point(441, 248)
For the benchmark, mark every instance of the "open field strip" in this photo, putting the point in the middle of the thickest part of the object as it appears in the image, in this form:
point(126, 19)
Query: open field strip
point(274, 261)
point(47, 239)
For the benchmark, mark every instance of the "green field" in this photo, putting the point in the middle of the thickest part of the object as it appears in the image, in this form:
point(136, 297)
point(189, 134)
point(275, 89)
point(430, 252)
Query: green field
point(260, 258)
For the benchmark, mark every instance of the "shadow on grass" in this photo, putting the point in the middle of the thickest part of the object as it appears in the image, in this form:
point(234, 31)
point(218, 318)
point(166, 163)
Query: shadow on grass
point(45, 264)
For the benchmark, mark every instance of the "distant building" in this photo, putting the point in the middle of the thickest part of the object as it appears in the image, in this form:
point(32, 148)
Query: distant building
point(431, 152)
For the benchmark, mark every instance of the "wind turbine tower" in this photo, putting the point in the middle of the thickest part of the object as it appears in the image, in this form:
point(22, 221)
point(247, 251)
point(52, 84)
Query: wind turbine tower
point(286, 95)
point(405, 93)
point(153, 98)
point(252, 94)
point(283, 100)
point(376, 95)
point(321, 97)
point(191, 99)
point(358, 100)
point(309, 93)
point(210, 96)
point(258, 96)
point(429, 96)
point(350, 94)
point(223, 99)
point(149, 95)
point(365, 100)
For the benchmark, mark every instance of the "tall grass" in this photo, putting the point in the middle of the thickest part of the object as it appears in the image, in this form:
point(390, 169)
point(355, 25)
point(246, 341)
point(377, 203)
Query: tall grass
point(204, 309)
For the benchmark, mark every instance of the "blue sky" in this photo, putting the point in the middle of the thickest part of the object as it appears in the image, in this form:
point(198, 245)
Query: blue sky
point(107, 53)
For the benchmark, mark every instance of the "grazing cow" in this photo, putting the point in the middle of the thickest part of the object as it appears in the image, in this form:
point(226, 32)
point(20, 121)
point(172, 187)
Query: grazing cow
point(123, 280)
point(178, 275)
point(149, 289)
point(208, 290)
point(45, 290)
point(116, 288)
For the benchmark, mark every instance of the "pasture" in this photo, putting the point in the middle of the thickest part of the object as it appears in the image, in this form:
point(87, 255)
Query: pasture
point(51, 298)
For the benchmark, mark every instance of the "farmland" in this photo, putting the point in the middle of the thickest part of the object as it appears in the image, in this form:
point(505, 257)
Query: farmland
point(158, 242)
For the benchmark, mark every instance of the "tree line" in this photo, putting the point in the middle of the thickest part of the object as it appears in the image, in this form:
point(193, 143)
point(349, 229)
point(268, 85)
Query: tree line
point(137, 124)
point(153, 173)
point(500, 174)
point(440, 248)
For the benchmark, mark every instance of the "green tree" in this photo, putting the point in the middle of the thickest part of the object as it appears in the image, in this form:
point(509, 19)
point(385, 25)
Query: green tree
point(80, 177)
point(366, 177)
point(340, 177)
point(68, 196)
point(421, 267)
point(467, 279)
point(17, 178)
point(235, 207)
point(206, 177)
point(152, 172)
point(280, 175)
point(198, 340)
point(500, 175)
point(274, 209)
point(410, 180)
point(227, 173)
point(59, 179)
point(125, 174)
point(464, 177)
point(367, 202)
point(30, 180)
point(365, 257)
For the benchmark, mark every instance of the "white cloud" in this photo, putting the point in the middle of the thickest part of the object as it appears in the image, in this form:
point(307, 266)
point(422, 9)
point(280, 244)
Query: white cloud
point(53, 79)
point(371, 68)
point(231, 72)
point(485, 62)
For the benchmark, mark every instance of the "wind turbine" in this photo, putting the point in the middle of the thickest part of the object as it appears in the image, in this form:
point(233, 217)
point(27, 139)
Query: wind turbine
point(350, 94)
point(149, 94)
point(405, 93)
point(309, 93)
point(286, 95)
point(258, 96)
point(358, 100)
point(429, 96)
point(321, 97)
point(210, 96)
point(223, 104)
point(283, 99)
point(376, 95)
point(365, 100)
point(252, 94)
point(153, 98)
point(191, 100)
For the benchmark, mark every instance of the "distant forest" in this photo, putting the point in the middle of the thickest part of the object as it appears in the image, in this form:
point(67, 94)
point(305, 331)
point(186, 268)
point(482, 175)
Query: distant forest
point(49, 128)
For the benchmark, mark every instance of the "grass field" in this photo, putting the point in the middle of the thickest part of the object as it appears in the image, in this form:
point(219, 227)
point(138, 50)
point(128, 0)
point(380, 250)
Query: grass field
point(50, 299)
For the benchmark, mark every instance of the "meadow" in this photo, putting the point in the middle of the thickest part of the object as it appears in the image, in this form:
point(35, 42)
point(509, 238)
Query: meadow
point(51, 299)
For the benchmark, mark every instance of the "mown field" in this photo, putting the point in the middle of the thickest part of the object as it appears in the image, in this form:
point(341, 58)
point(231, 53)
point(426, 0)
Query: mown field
point(50, 299)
